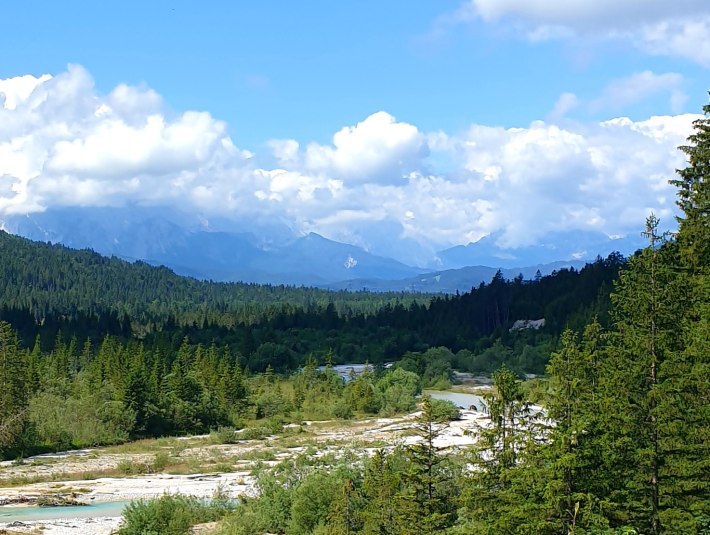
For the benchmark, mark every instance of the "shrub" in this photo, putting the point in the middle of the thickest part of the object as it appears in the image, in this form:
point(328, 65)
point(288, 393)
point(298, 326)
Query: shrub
point(444, 410)
point(254, 433)
point(245, 521)
point(130, 468)
point(160, 461)
point(225, 435)
point(342, 410)
point(168, 515)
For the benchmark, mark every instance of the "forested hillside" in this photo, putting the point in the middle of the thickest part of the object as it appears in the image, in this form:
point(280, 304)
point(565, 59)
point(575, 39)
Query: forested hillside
point(48, 291)
point(52, 280)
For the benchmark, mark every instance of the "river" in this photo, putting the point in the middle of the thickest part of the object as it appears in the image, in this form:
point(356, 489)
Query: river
point(458, 398)
point(25, 514)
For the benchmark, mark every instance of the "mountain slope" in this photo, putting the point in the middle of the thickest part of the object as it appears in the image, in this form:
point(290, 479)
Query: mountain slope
point(191, 247)
point(54, 279)
point(451, 280)
point(554, 247)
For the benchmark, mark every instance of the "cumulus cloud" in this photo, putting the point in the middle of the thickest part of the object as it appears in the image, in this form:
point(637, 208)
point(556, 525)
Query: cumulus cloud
point(656, 26)
point(377, 149)
point(525, 182)
point(376, 184)
point(63, 143)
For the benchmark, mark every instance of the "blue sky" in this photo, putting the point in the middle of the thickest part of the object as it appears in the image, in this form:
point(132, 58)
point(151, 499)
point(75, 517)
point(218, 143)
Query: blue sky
point(304, 69)
point(469, 77)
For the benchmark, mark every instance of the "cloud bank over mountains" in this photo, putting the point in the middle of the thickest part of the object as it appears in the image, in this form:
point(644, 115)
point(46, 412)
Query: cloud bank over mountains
point(382, 184)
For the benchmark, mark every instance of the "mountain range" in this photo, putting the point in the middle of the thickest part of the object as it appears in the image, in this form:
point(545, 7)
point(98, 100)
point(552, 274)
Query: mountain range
point(272, 253)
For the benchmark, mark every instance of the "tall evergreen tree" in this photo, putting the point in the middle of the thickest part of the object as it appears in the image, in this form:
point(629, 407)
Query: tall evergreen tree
point(570, 458)
point(424, 504)
point(501, 495)
point(13, 393)
point(381, 484)
point(687, 390)
point(645, 335)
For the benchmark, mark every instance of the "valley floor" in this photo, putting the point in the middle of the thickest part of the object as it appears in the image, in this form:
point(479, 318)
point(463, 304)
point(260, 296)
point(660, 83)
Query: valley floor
point(194, 466)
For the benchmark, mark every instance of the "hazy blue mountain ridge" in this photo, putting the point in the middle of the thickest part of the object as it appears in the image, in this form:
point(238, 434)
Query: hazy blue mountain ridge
point(269, 252)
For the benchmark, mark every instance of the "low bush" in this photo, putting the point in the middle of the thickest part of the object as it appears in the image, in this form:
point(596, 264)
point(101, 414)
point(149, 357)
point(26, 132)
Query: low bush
point(225, 435)
point(170, 515)
point(444, 410)
point(130, 468)
point(160, 461)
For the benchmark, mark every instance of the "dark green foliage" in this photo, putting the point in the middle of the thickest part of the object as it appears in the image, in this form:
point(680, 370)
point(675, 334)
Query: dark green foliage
point(424, 505)
point(499, 492)
point(397, 389)
point(406, 491)
point(434, 366)
point(47, 290)
point(444, 410)
point(693, 185)
point(14, 394)
point(382, 481)
point(627, 449)
point(688, 466)
point(640, 356)
point(571, 460)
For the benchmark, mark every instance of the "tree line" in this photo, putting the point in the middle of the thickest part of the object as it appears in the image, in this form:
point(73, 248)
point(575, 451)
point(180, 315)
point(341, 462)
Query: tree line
point(360, 327)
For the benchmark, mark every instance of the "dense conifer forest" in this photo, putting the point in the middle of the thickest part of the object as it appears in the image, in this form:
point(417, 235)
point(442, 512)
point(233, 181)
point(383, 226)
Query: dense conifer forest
point(50, 293)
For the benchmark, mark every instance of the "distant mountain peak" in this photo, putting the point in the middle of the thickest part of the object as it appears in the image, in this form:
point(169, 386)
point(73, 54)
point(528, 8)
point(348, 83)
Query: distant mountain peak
point(266, 251)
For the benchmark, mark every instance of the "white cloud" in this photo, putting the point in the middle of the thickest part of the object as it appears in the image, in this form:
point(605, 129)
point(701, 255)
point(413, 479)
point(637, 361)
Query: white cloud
point(685, 38)
point(631, 89)
point(14, 90)
point(595, 176)
point(583, 14)
point(376, 149)
point(566, 103)
point(677, 28)
point(64, 144)
point(620, 93)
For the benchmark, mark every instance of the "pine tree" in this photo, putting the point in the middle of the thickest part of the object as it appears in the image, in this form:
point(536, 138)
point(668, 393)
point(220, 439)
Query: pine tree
point(687, 390)
point(423, 508)
point(644, 345)
point(13, 393)
point(381, 484)
point(693, 185)
point(570, 457)
point(502, 494)
point(506, 407)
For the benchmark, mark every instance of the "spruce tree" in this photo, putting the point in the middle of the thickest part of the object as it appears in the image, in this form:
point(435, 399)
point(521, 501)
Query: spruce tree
point(429, 512)
point(502, 493)
point(687, 391)
point(643, 349)
point(570, 457)
point(381, 484)
point(13, 393)
point(693, 185)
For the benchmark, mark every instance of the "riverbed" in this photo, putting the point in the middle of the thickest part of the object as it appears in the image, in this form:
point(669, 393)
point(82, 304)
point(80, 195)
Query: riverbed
point(9, 514)
point(460, 399)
